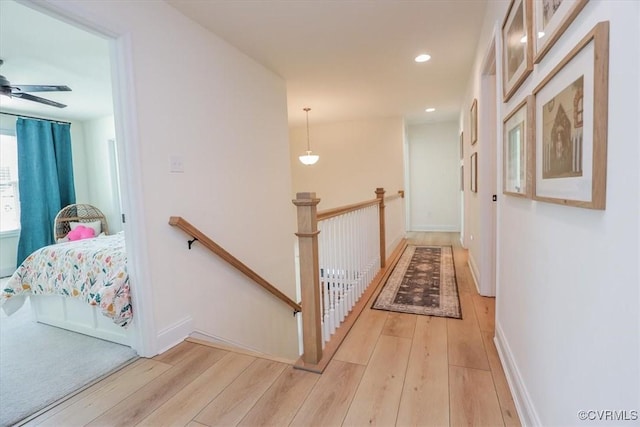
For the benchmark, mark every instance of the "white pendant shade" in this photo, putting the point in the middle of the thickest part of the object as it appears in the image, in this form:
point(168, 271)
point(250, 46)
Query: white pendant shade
point(308, 159)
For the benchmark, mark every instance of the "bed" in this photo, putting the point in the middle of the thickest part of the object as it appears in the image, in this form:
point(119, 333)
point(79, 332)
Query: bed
point(81, 285)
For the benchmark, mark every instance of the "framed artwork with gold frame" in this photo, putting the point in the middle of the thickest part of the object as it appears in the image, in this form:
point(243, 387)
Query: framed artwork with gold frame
point(550, 20)
point(518, 149)
point(517, 50)
point(571, 120)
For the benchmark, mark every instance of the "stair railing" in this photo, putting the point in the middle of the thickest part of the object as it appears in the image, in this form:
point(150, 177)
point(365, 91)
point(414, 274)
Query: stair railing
point(341, 253)
point(199, 236)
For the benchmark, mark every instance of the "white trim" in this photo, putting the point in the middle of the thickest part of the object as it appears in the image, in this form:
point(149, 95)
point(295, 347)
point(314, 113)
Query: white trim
point(433, 227)
point(473, 268)
point(521, 398)
point(173, 335)
point(214, 339)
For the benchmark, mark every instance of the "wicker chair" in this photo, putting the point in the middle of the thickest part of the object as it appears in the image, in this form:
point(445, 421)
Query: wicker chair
point(77, 213)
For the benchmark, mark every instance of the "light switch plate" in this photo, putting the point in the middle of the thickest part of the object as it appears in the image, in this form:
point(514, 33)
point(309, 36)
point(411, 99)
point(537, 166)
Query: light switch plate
point(176, 164)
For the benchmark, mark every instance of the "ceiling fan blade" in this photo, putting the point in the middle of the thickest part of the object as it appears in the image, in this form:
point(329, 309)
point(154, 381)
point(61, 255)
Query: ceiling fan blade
point(41, 88)
point(37, 99)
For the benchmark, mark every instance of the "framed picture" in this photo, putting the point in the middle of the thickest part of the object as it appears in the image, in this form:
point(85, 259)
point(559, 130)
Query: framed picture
point(518, 150)
point(571, 115)
point(461, 178)
point(517, 51)
point(473, 121)
point(550, 19)
point(461, 146)
point(474, 172)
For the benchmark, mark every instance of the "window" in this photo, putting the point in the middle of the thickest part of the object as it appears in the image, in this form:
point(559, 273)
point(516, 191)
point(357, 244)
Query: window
point(9, 200)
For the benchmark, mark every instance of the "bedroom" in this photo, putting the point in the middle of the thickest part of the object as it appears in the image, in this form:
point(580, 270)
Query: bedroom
point(58, 53)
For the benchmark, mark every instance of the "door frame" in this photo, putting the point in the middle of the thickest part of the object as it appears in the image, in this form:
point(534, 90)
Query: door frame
point(143, 328)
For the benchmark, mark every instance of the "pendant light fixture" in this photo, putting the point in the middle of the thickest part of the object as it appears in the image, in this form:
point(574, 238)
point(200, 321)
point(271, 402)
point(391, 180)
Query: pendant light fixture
point(308, 159)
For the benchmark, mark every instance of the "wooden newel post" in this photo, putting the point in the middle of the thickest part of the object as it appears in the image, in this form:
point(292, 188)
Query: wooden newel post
point(383, 243)
point(309, 280)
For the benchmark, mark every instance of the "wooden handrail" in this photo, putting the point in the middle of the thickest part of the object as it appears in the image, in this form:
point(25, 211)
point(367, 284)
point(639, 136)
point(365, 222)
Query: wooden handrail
point(399, 195)
point(330, 213)
point(184, 225)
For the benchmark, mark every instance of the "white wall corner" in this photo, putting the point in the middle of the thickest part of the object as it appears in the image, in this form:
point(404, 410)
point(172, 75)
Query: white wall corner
point(174, 334)
point(524, 405)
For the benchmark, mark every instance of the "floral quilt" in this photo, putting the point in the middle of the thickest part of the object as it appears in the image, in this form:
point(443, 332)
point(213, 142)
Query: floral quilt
point(93, 270)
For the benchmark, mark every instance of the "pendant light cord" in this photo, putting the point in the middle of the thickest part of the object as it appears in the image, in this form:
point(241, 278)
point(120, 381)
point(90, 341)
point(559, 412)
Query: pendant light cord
point(307, 109)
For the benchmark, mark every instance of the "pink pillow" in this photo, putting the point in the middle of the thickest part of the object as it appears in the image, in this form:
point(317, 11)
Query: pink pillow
point(81, 232)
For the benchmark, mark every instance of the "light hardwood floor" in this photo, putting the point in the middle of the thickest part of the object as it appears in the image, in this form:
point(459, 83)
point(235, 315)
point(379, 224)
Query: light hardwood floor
point(392, 369)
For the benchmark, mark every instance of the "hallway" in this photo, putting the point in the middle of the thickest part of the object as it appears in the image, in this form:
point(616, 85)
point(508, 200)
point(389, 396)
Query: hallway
point(392, 369)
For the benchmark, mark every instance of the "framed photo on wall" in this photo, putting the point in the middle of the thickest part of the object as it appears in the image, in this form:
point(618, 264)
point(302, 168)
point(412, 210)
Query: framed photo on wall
point(474, 172)
point(473, 121)
point(550, 19)
point(517, 50)
point(461, 178)
point(571, 118)
point(461, 146)
point(518, 150)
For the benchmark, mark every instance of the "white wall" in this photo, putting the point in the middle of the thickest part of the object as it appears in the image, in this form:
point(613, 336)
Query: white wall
point(198, 98)
point(434, 177)
point(567, 304)
point(100, 170)
point(355, 158)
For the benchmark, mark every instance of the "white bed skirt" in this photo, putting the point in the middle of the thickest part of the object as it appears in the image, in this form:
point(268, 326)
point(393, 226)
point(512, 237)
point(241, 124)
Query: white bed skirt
point(78, 316)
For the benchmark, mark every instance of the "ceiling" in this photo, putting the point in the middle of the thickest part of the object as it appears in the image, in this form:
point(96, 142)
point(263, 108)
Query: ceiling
point(346, 60)
point(353, 59)
point(54, 54)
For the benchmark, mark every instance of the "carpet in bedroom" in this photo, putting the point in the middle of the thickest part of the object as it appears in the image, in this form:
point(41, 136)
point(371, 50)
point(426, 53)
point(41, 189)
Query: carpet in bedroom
point(40, 364)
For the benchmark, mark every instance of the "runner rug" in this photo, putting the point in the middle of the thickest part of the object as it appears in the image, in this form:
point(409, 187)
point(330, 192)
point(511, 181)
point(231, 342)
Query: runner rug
point(422, 282)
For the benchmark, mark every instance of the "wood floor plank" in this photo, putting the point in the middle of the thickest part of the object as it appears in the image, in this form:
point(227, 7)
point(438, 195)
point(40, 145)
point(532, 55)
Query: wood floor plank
point(361, 341)
point(378, 396)
point(108, 394)
point(465, 347)
point(425, 395)
point(391, 369)
point(399, 325)
point(237, 399)
point(281, 401)
point(507, 406)
point(189, 401)
point(60, 406)
point(176, 353)
point(329, 401)
point(473, 398)
point(485, 308)
point(138, 406)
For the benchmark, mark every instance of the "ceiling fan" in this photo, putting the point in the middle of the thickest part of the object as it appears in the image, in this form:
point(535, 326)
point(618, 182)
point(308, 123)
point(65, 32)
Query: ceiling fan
point(21, 91)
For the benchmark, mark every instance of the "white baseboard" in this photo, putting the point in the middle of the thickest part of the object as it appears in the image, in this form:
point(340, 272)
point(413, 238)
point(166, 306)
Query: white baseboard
point(174, 334)
point(428, 227)
point(524, 405)
point(200, 335)
point(473, 267)
point(229, 345)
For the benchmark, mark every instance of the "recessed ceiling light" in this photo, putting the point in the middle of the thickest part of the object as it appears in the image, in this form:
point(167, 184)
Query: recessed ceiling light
point(523, 39)
point(540, 34)
point(430, 110)
point(423, 58)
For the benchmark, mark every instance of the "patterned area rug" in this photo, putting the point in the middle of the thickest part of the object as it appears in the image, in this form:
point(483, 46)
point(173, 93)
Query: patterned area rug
point(423, 282)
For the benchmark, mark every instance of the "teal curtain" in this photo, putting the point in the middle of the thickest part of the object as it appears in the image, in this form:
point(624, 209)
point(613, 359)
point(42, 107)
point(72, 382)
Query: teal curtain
point(45, 176)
